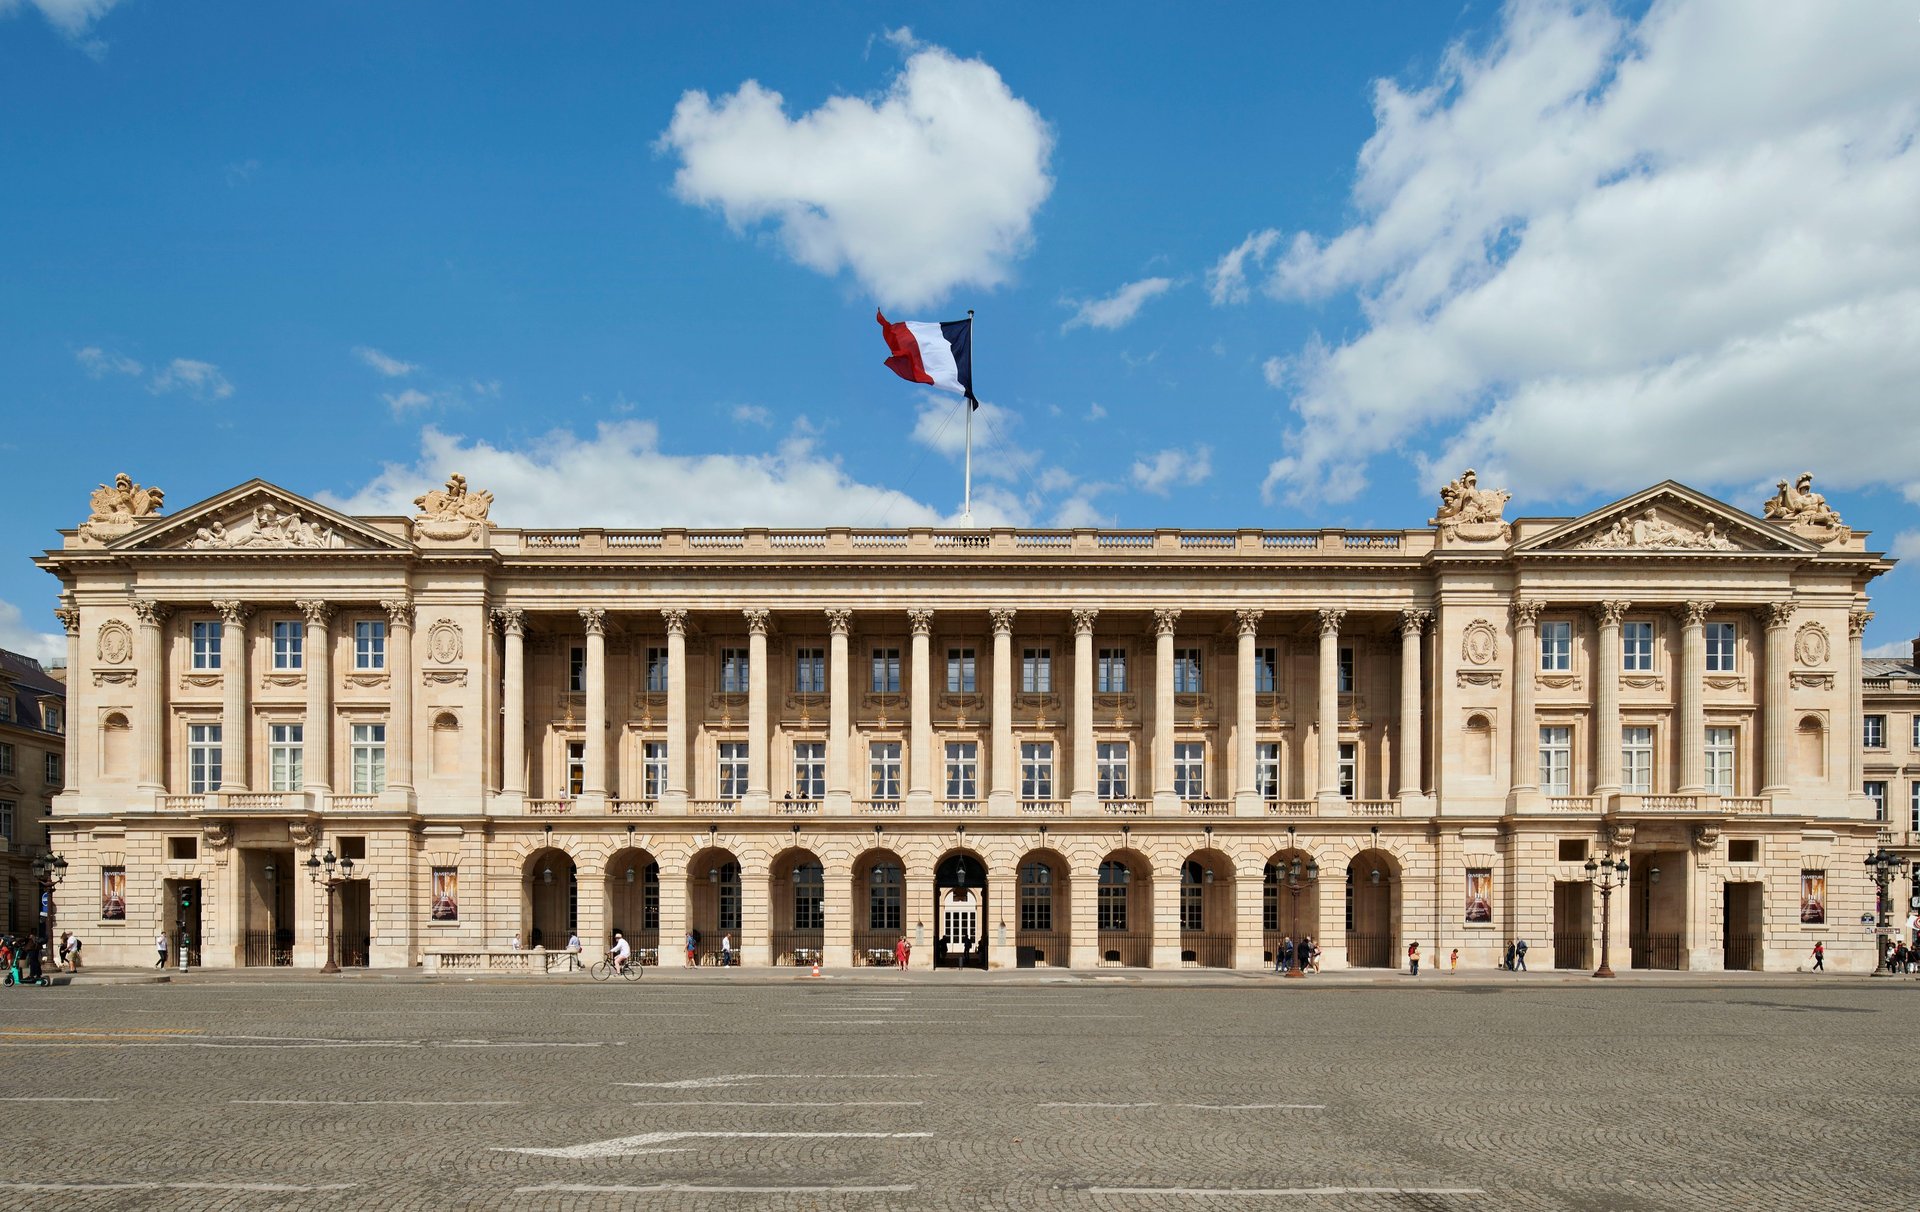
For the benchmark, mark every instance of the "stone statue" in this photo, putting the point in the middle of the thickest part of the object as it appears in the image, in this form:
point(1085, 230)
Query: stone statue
point(1470, 512)
point(117, 506)
point(1799, 506)
point(266, 526)
point(1651, 532)
point(452, 513)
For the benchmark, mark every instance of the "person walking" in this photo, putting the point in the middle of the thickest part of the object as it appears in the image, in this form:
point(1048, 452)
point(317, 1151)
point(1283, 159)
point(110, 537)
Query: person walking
point(59, 950)
point(1453, 960)
point(1520, 955)
point(1413, 959)
point(1313, 952)
point(693, 947)
point(573, 950)
point(726, 950)
point(1283, 961)
point(73, 953)
point(160, 949)
point(1819, 957)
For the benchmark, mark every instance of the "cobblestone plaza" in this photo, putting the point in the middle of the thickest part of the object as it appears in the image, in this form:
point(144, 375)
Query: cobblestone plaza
point(960, 1091)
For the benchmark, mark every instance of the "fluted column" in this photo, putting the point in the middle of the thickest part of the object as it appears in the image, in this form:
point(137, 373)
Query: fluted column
point(593, 779)
point(676, 621)
point(1775, 717)
point(234, 733)
point(400, 704)
point(1525, 760)
point(1164, 624)
point(1606, 700)
point(1327, 715)
point(1085, 784)
point(1246, 792)
point(757, 730)
point(1693, 711)
point(839, 719)
point(69, 616)
point(316, 732)
point(151, 663)
point(513, 702)
point(1413, 623)
point(920, 732)
point(1002, 791)
point(1857, 620)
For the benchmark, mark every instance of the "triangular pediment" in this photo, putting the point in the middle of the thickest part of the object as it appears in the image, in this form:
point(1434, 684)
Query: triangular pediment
point(1667, 519)
point(256, 517)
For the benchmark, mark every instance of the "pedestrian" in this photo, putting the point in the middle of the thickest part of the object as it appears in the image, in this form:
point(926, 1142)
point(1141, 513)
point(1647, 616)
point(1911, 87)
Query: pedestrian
point(1413, 959)
point(59, 950)
point(160, 949)
point(899, 952)
point(1453, 960)
point(73, 953)
point(513, 944)
point(693, 947)
point(726, 950)
point(1819, 957)
point(1520, 955)
point(1313, 952)
point(906, 951)
point(573, 949)
point(1284, 961)
point(1506, 961)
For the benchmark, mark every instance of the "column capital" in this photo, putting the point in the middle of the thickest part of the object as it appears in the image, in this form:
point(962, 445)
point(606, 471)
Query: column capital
point(399, 611)
point(511, 620)
point(1248, 621)
point(1083, 621)
point(756, 621)
point(69, 617)
point(1413, 622)
point(232, 612)
point(1002, 621)
point(676, 622)
point(1780, 615)
point(1330, 621)
point(1165, 621)
point(316, 612)
point(922, 621)
point(1857, 620)
point(150, 612)
point(595, 620)
point(1526, 612)
point(1610, 612)
point(839, 622)
point(1693, 614)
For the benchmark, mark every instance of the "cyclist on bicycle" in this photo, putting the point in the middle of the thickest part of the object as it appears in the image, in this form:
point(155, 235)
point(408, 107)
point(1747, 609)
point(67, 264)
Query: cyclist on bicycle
point(620, 953)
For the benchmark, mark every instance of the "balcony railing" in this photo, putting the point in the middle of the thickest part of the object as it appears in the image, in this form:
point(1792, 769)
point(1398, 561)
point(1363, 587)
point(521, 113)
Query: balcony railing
point(633, 807)
point(546, 807)
point(1289, 807)
point(1373, 807)
point(1202, 544)
point(352, 803)
point(1208, 807)
point(713, 807)
point(1125, 807)
point(1043, 807)
point(183, 803)
point(877, 807)
point(1745, 805)
point(1573, 803)
point(796, 807)
point(960, 807)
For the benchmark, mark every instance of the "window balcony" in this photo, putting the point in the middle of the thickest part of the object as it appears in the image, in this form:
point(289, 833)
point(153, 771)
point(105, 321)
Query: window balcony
point(1208, 807)
point(877, 807)
point(1043, 807)
point(1126, 807)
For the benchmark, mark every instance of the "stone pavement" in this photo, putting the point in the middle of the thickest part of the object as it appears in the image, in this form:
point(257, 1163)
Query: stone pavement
point(958, 1091)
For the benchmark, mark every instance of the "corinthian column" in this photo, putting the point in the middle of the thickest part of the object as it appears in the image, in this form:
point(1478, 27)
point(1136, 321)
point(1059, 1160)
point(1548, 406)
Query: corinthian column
point(1606, 700)
point(1524, 763)
point(400, 705)
point(920, 710)
point(1857, 620)
point(1693, 711)
point(1246, 792)
point(676, 621)
point(234, 733)
point(1085, 786)
point(1776, 718)
point(757, 729)
point(1001, 792)
point(151, 662)
point(1327, 718)
point(513, 704)
point(316, 734)
point(1407, 744)
point(69, 616)
point(593, 779)
point(839, 727)
point(1164, 624)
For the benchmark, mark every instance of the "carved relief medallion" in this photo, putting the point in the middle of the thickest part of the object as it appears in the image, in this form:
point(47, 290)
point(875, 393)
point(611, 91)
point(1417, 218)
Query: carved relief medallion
point(1811, 646)
point(1480, 643)
point(115, 642)
point(443, 642)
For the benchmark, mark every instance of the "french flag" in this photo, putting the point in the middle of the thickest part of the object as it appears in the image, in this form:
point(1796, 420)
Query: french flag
point(939, 355)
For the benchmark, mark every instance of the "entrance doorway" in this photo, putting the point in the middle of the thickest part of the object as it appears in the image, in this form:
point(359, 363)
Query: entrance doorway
point(184, 896)
point(353, 924)
point(1044, 929)
point(1371, 910)
point(1656, 918)
point(269, 908)
point(552, 901)
point(1741, 910)
point(960, 897)
point(1572, 924)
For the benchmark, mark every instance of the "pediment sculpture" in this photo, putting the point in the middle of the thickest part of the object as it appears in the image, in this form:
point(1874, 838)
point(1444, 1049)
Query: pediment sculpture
point(1651, 532)
point(1471, 513)
point(1805, 511)
point(452, 512)
point(266, 526)
point(118, 508)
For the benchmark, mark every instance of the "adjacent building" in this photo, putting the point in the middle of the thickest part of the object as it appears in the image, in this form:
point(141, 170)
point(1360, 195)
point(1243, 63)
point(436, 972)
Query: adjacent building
point(1890, 764)
point(1056, 747)
point(33, 726)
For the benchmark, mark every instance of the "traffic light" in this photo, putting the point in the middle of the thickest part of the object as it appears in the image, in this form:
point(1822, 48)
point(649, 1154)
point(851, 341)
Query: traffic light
point(186, 899)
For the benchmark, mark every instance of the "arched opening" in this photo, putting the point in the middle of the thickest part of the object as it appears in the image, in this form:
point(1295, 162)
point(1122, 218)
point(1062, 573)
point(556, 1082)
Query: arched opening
point(116, 739)
point(445, 745)
point(960, 912)
point(879, 896)
point(1206, 910)
point(798, 907)
point(1810, 747)
point(633, 902)
point(713, 903)
point(1123, 910)
point(1289, 902)
point(1479, 746)
point(550, 900)
point(1045, 929)
point(1373, 910)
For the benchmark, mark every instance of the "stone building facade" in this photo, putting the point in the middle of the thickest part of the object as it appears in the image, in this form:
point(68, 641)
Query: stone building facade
point(1071, 747)
point(33, 744)
point(1890, 767)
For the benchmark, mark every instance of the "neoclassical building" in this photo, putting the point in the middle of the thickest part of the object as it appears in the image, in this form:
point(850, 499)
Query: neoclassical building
point(1010, 747)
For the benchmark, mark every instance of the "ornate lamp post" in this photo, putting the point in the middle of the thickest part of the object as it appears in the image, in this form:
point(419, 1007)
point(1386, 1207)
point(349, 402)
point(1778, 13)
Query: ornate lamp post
point(1298, 881)
point(323, 873)
point(49, 869)
point(1612, 873)
point(1882, 865)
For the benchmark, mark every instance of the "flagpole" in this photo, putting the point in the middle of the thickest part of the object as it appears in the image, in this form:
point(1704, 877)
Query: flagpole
point(966, 509)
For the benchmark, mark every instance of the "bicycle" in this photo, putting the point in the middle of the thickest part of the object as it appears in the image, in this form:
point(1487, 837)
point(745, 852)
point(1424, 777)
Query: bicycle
point(603, 970)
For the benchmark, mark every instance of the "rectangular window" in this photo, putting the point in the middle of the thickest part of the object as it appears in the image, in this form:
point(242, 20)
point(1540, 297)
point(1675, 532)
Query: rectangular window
point(1265, 661)
point(1036, 770)
point(55, 762)
point(1720, 761)
point(1190, 770)
point(369, 759)
point(286, 756)
point(653, 765)
point(1186, 671)
point(576, 670)
point(1877, 792)
point(1913, 794)
point(52, 716)
point(1036, 897)
point(203, 758)
point(288, 640)
point(1266, 769)
point(6, 819)
point(886, 671)
point(883, 769)
point(1110, 769)
point(733, 671)
point(206, 644)
point(1556, 646)
point(730, 898)
point(1345, 674)
point(1556, 760)
point(960, 671)
point(1720, 647)
point(1110, 904)
point(1873, 731)
point(657, 666)
point(370, 644)
point(1636, 760)
point(884, 897)
point(733, 769)
point(576, 768)
point(1112, 674)
point(1036, 671)
point(1916, 730)
point(1636, 647)
point(963, 770)
point(6, 759)
point(809, 770)
point(809, 671)
point(1349, 770)
point(809, 899)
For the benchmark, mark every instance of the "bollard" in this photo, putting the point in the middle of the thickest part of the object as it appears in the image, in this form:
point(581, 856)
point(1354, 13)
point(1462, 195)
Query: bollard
point(183, 957)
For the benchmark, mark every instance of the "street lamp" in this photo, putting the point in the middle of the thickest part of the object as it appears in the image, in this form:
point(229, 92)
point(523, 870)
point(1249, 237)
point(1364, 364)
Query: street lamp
point(1612, 873)
point(48, 870)
point(1882, 865)
point(1298, 881)
point(323, 873)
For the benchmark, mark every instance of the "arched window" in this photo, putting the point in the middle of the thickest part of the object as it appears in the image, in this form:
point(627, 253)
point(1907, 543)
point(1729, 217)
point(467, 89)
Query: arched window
point(885, 884)
point(809, 897)
point(1111, 900)
point(1270, 899)
point(1036, 896)
point(1193, 881)
point(729, 881)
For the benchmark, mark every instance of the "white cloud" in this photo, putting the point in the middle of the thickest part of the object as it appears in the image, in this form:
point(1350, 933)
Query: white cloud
point(1095, 412)
point(931, 186)
point(16, 636)
point(1905, 546)
point(1013, 485)
point(621, 477)
point(1118, 308)
point(403, 402)
point(386, 364)
point(241, 171)
point(1686, 242)
point(1897, 649)
point(201, 380)
point(99, 362)
point(752, 414)
point(73, 18)
point(1163, 470)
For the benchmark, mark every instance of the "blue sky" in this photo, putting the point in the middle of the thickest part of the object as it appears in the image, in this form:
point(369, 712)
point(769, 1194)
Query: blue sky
point(1283, 266)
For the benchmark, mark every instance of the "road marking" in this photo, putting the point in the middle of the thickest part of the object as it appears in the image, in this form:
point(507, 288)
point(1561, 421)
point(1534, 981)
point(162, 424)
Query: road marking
point(631, 1146)
point(55, 1099)
point(709, 1103)
point(1116, 1106)
point(1253, 1106)
point(740, 1079)
point(697, 1189)
point(369, 1102)
point(153, 1186)
point(1254, 1192)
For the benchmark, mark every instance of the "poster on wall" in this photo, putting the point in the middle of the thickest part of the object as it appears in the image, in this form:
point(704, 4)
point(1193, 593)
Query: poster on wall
point(113, 894)
point(1479, 894)
point(446, 894)
point(1813, 898)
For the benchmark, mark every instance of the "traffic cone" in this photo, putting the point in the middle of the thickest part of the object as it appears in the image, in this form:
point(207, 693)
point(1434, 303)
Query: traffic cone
point(816, 967)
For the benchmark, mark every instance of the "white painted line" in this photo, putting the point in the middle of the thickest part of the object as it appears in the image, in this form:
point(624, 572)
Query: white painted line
point(369, 1102)
point(1253, 1106)
point(629, 1146)
point(884, 1103)
point(1115, 1106)
point(739, 1079)
point(1254, 1192)
point(697, 1189)
point(53, 1099)
point(152, 1186)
